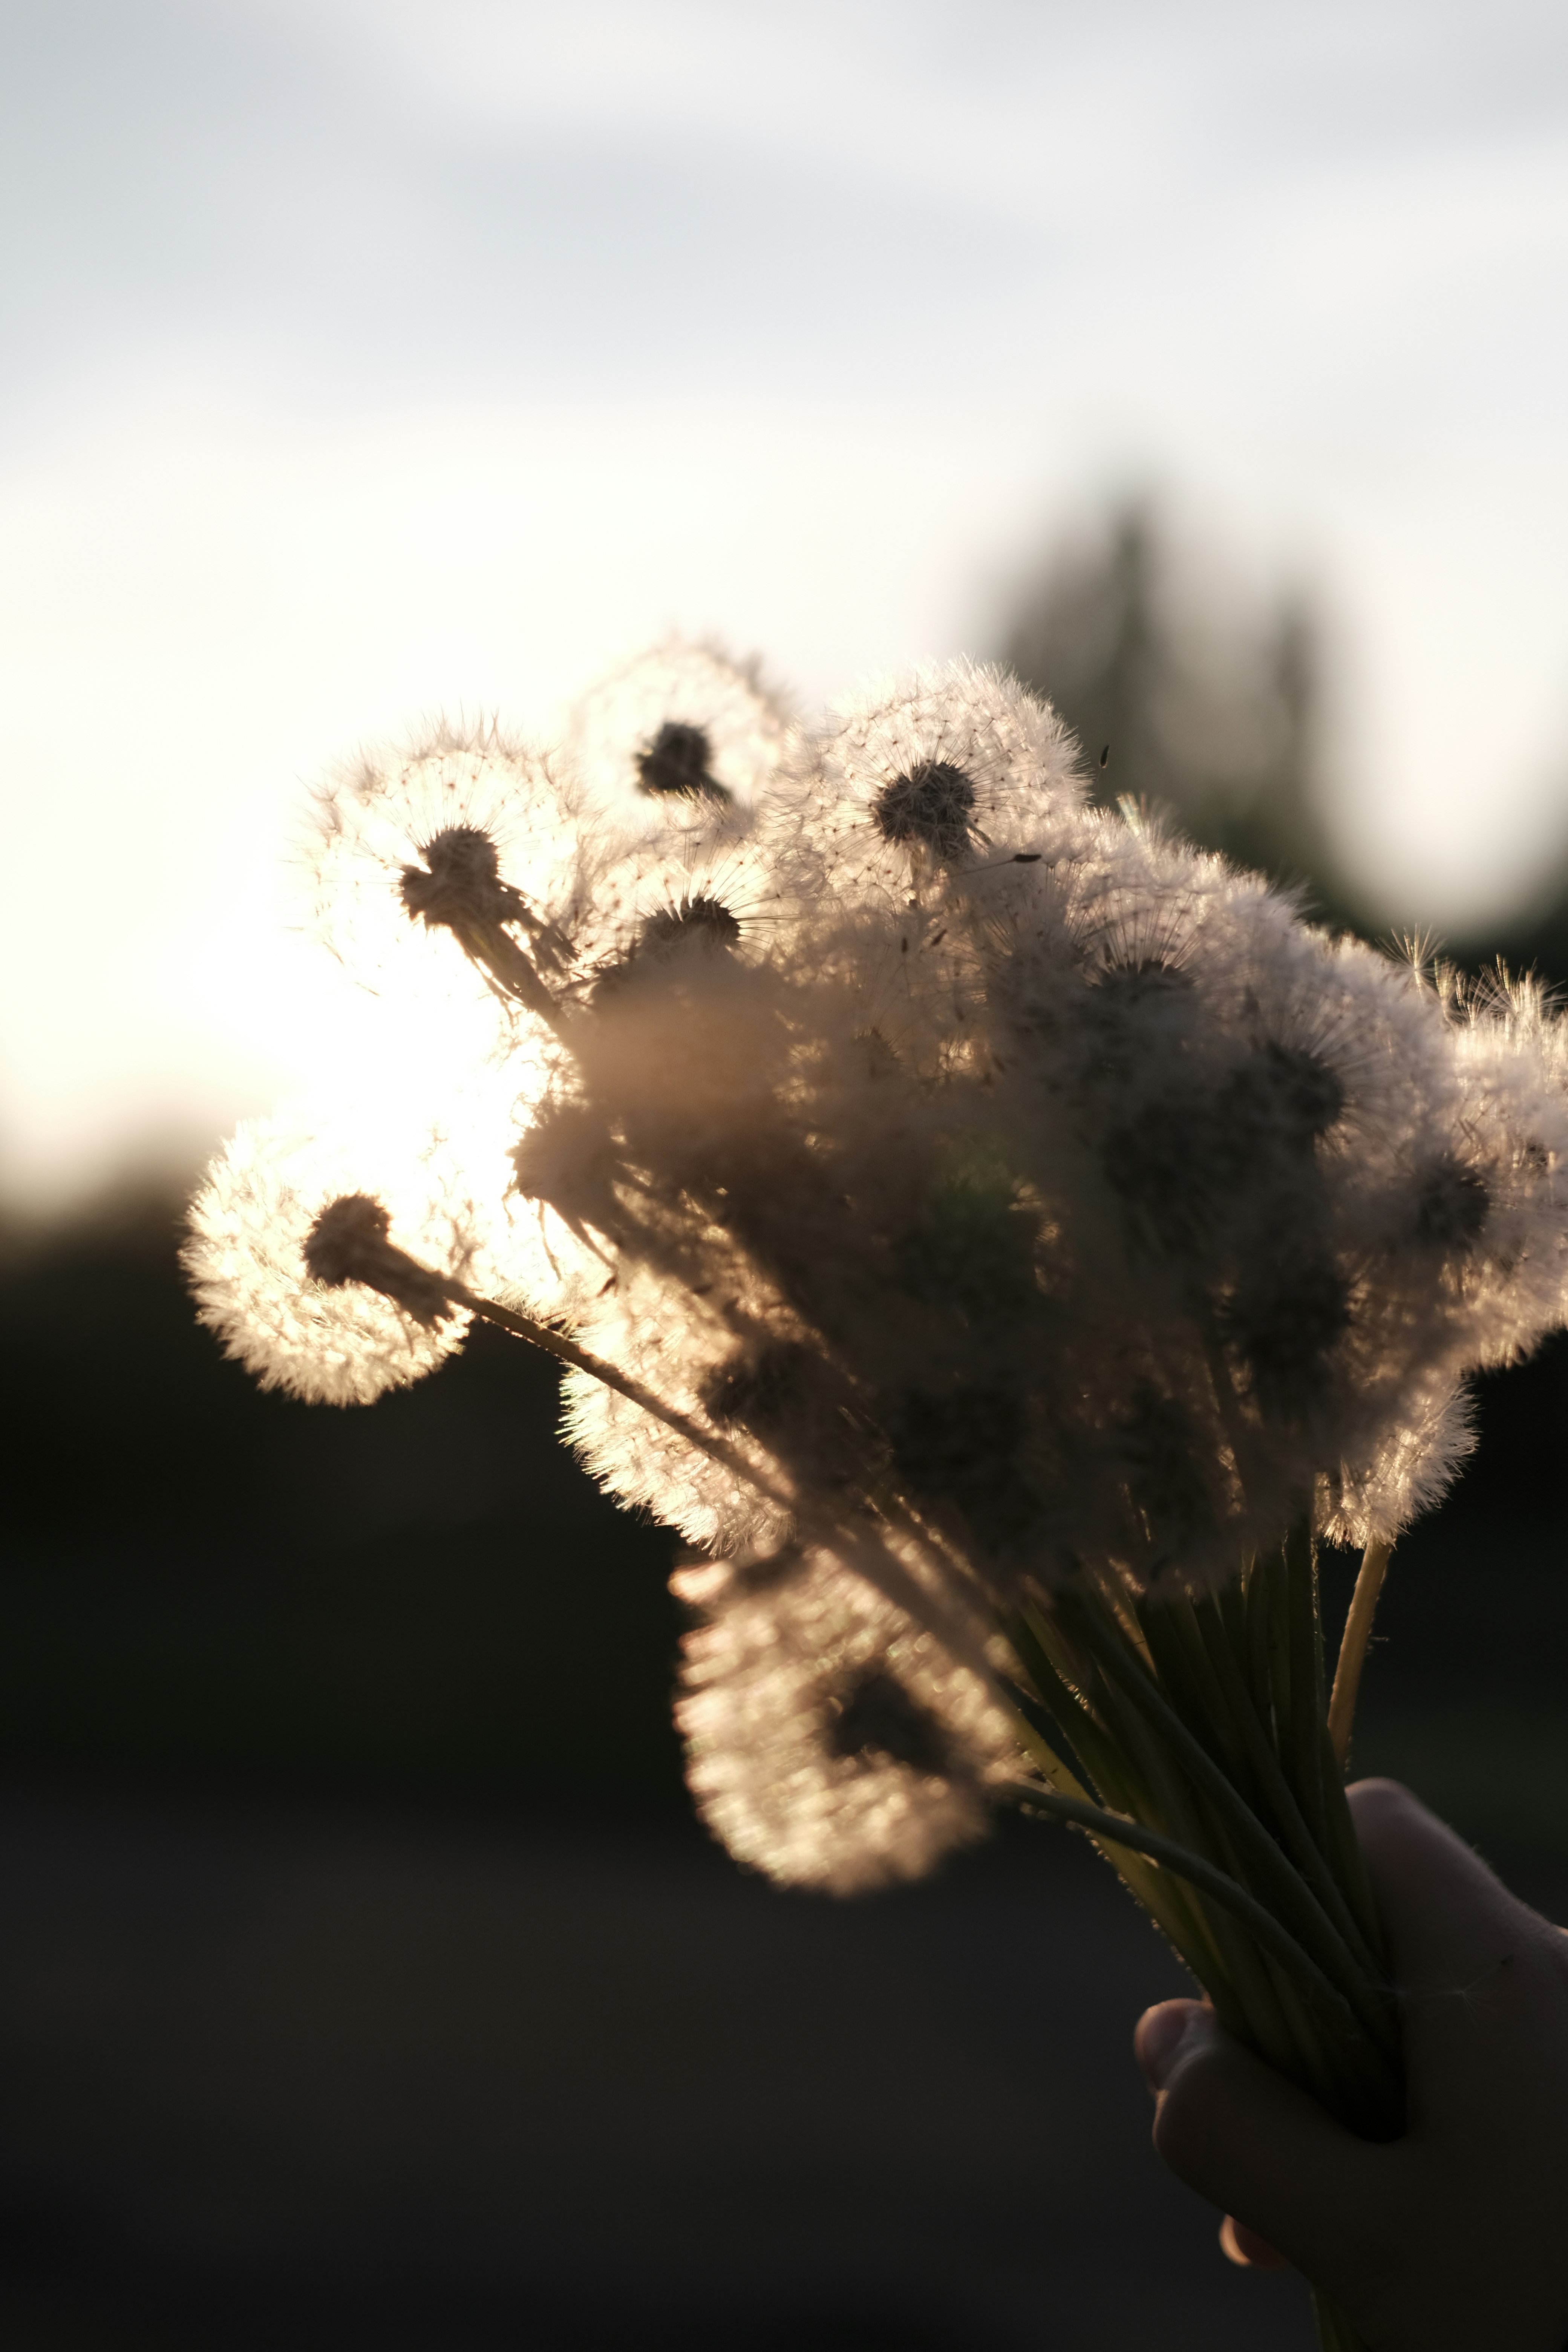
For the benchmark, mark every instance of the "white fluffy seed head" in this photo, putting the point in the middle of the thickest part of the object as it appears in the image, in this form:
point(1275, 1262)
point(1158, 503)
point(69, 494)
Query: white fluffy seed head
point(685, 1346)
point(682, 735)
point(1375, 1498)
point(1505, 1173)
point(832, 1741)
point(412, 852)
point(250, 1227)
point(914, 782)
point(703, 883)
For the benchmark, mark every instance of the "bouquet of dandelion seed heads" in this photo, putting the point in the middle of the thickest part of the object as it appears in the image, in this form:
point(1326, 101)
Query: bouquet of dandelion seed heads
point(1000, 1239)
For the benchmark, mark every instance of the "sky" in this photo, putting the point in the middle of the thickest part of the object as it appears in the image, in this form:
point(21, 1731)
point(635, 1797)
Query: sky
point(361, 359)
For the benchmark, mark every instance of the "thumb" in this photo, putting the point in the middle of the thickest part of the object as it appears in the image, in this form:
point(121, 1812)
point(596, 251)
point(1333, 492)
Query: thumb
point(1260, 2149)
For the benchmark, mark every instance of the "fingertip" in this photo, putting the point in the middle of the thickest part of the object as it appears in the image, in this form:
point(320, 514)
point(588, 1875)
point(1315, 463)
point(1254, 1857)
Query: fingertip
point(1158, 2036)
point(1247, 2249)
point(1378, 1800)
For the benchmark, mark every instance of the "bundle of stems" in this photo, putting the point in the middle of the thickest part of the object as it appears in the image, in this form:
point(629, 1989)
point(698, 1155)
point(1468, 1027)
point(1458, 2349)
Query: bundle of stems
point(1195, 1742)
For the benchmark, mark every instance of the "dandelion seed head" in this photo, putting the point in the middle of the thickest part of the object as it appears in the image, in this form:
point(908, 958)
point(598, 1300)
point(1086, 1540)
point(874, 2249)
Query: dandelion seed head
point(1285, 1321)
point(706, 883)
point(914, 780)
point(699, 920)
point(832, 1740)
point(1422, 1451)
point(351, 1241)
point(680, 735)
point(1502, 1260)
point(414, 854)
point(873, 1719)
point(291, 1217)
point(676, 1338)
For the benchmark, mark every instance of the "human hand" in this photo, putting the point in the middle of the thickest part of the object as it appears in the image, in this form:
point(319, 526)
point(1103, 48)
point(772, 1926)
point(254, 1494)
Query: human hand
point(1456, 2236)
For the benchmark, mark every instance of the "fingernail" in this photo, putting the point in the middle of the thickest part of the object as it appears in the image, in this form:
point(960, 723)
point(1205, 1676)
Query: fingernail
point(1159, 2036)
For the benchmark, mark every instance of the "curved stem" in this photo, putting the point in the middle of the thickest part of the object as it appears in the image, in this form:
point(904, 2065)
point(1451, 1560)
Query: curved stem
point(881, 1568)
point(1262, 1854)
point(1114, 1829)
point(1353, 1647)
point(555, 1343)
point(1291, 1828)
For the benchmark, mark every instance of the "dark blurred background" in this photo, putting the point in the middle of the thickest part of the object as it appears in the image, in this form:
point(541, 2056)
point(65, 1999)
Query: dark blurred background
point(364, 1972)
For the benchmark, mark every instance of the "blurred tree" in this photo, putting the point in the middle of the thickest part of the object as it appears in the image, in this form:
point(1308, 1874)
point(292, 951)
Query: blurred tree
point(1207, 713)
point(1213, 715)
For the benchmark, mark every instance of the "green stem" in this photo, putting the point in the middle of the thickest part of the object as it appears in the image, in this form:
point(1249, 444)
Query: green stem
point(1259, 1597)
point(1276, 1608)
point(1307, 1857)
point(1187, 1672)
point(1348, 1860)
point(1112, 1829)
point(1134, 1777)
point(1168, 1902)
point(1261, 1853)
point(1353, 1644)
point(1055, 1692)
point(1306, 1670)
point(555, 1343)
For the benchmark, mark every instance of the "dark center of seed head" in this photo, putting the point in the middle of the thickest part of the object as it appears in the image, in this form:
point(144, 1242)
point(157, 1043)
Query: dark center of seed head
point(348, 1233)
point(1307, 1090)
point(1134, 980)
point(1283, 1096)
point(679, 762)
point(1286, 1321)
point(877, 1719)
point(700, 921)
point(349, 1242)
point(460, 877)
point(931, 806)
point(1453, 1206)
point(764, 1389)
